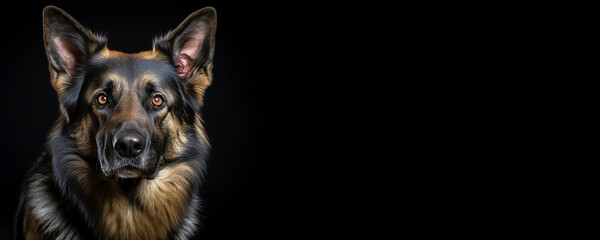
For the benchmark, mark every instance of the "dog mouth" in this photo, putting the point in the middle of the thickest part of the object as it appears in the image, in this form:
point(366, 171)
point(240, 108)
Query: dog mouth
point(128, 172)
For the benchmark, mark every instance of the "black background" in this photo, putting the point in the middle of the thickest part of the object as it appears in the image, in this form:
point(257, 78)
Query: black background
point(359, 119)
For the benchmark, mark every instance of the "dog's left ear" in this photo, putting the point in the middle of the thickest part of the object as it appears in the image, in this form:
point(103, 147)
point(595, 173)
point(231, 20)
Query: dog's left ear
point(191, 48)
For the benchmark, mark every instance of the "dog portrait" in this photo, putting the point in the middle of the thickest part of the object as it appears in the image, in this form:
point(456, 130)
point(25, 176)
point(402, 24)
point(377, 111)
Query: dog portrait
point(125, 158)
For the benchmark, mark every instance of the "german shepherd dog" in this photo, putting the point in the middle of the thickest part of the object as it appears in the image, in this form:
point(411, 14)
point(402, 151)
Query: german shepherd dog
point(127, 154)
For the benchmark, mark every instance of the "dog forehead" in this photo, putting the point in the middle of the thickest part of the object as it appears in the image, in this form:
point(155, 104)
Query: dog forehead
point(132, 68)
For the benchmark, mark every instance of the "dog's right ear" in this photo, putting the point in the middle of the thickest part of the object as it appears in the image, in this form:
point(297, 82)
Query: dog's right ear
point(68, 45)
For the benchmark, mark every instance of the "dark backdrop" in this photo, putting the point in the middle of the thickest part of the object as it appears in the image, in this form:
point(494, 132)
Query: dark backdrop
point(358, 120)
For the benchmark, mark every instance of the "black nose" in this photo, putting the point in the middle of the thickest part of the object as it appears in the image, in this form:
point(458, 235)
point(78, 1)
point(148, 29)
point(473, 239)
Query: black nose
point(129, 144)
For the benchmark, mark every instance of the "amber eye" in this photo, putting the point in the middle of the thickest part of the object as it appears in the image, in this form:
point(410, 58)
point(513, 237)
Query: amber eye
point(102, 99)
point(157, 101)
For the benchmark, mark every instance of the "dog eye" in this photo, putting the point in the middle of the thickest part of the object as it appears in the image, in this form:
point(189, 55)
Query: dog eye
point(102, 99)
point(157, 101)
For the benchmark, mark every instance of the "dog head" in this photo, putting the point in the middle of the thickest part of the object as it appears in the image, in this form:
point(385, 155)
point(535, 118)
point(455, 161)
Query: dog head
point(130, 114)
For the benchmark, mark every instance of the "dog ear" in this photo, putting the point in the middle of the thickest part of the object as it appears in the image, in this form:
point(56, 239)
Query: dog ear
point(68, 44)
point(191, 48)
point(68, 47)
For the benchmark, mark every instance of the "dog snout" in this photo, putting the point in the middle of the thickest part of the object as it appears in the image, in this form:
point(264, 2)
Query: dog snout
point(129, 143)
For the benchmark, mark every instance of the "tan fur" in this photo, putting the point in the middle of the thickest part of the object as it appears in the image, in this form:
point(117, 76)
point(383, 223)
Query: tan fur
point(117, 80)
point(129, 108)
point(30, 225)
point(60, 83)
point(199, 82)
point(178, 139)
point(159, 206)
point(152, 54)
point(148, 78)
point(82, 137)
